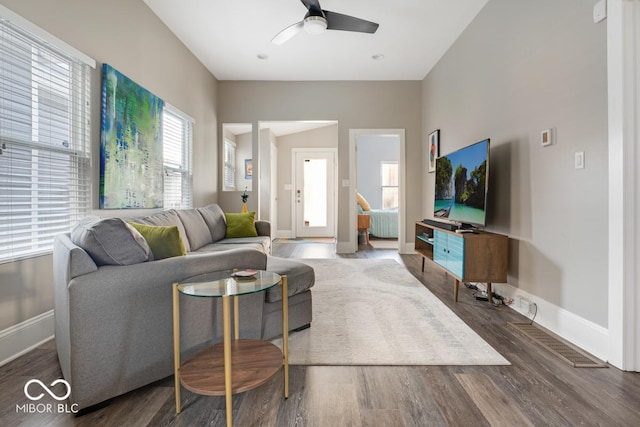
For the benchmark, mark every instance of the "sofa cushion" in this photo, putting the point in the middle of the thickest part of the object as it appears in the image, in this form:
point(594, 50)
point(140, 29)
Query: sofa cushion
point(300, 277)
point(111, 241)
point(169, 217)
point(197, 231)
point(164, 240)
point(260, 243)
point(241, 225)
point(214, 218)
point(263, 228)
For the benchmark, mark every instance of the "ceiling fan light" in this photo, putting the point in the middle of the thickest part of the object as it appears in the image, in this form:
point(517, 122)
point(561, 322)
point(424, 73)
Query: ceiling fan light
point(315, 24)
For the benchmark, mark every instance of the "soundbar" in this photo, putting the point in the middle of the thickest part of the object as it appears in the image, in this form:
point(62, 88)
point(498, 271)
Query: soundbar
point(444, 225)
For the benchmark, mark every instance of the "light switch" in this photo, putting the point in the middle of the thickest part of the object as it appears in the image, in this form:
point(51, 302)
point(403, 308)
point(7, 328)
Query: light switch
point(578, 160)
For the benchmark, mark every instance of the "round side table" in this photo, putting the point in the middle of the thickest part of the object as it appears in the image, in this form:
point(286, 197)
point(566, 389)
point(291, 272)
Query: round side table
point(237, 365)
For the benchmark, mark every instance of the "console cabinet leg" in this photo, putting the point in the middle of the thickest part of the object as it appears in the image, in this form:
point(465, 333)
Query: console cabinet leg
point(455, 290)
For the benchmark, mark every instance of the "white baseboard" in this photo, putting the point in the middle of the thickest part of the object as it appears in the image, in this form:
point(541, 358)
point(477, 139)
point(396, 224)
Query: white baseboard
point(284, 234)
point(344, 248)
point(581, 332)
point(25, 336)
point(409, 248)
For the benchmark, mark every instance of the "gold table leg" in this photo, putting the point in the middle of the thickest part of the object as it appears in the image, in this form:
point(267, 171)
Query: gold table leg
point(285, 334)
point(176, 344)
point(227, 358)
point(236, 318)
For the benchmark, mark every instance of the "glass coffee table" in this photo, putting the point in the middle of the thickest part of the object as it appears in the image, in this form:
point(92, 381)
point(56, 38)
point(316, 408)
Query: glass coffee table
point(232, 366)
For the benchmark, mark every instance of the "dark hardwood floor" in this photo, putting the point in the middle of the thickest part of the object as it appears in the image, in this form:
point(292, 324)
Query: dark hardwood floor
point(537, 389)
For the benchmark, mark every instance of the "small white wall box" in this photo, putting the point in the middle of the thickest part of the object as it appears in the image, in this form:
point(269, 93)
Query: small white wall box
point(546, 137)
point(600, 11)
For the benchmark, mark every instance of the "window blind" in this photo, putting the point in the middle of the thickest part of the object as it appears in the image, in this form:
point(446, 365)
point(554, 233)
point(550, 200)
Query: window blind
point(45, 183)
point(389, 184)
point(177, 141)
point(229, 165)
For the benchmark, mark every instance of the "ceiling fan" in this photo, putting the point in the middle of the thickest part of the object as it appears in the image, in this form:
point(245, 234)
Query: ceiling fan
point(316, 21)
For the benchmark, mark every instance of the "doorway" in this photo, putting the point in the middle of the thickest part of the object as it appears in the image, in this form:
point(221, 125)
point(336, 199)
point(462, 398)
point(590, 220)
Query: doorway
point(354, 134)
point(315, 188)
point(377, 183)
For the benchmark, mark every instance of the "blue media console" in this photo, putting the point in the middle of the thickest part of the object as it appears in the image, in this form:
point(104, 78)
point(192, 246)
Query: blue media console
point(470, 257)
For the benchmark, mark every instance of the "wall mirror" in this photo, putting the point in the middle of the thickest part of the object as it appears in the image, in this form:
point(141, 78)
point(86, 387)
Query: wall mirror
point(237, 157)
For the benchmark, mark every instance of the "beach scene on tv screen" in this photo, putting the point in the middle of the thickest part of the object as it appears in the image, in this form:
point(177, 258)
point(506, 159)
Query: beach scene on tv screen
point(460, 185)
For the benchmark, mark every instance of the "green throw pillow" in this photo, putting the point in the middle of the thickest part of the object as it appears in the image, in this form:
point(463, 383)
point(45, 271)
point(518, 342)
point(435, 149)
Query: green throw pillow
point(164, 241)
point(241, 225)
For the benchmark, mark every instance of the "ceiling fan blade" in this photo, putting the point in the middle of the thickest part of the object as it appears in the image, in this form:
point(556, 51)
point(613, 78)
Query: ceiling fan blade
point(287, 33)
point(312, 4)
point(338, 21)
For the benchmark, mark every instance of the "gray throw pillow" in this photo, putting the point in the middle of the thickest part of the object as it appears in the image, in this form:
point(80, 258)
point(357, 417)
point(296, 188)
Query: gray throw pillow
point(111, 241)
point(214, 217)
point(197, 231)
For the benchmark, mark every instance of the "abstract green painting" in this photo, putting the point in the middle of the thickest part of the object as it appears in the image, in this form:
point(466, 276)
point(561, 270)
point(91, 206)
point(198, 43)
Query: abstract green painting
point(131, 169)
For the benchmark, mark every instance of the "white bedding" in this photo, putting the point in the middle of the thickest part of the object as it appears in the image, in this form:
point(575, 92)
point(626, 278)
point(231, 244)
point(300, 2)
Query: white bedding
point(384, 223)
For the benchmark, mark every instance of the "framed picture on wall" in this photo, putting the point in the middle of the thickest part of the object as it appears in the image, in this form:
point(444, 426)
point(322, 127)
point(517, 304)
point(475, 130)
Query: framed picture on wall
point(131, 167)
point(248, 168)
point(434, 149)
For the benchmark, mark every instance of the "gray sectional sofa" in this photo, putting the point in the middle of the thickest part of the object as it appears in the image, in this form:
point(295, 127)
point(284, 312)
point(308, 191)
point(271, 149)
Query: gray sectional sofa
point(113, 323)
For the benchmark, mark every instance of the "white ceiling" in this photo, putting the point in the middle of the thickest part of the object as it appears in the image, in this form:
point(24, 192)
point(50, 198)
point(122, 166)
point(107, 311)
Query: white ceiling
point(228, 35)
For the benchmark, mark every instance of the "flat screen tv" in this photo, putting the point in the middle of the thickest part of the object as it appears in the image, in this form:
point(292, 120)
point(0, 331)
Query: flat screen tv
point(462, 180)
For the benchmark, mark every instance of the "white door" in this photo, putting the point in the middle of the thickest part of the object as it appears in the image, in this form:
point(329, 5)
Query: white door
point(314, 193)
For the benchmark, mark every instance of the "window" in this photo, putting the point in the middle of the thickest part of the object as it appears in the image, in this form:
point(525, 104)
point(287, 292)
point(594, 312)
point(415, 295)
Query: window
point(389, 184)
point(45, 185)
point(177, 140)
point(229, 165)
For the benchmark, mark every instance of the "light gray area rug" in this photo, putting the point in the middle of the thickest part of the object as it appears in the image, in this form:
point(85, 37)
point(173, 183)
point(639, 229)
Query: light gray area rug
point(374, 312)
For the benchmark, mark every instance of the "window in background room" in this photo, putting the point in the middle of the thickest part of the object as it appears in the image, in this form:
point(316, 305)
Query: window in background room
point(45, 179)
point(389, 184)
point(229, 165)
point(177, 141)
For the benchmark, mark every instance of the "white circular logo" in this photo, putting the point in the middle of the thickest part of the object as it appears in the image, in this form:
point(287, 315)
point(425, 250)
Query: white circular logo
point(45, 388)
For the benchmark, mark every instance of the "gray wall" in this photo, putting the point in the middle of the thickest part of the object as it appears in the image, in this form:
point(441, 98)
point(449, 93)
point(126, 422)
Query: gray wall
point(355, 105)
point(519, 68)
point(264, 157)
point(372, 150)
point(127, 35)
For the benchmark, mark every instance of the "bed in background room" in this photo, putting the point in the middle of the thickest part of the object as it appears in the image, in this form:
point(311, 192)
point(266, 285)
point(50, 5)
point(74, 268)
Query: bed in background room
point(384, 222)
